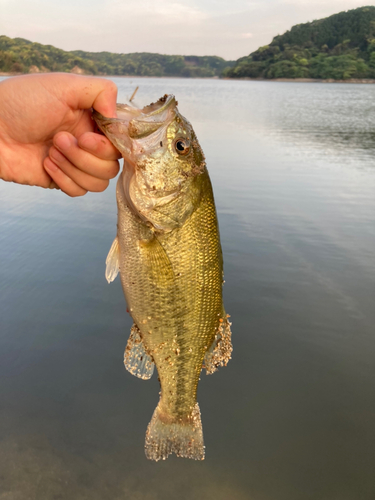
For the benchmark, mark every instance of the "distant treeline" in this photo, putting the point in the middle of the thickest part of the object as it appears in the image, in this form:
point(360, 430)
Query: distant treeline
point(22, 56)
point(338, 47)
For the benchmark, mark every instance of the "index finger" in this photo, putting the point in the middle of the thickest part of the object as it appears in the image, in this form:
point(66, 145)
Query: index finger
point(98, 145)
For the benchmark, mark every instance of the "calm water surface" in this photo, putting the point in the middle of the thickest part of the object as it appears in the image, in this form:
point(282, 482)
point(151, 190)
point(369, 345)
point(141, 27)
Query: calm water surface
point(292, 417)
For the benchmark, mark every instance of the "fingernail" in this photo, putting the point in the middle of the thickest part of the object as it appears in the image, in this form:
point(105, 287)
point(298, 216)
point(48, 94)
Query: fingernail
point(62, 141)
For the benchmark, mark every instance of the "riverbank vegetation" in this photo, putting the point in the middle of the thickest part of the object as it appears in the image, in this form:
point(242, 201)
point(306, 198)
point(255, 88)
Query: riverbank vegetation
point(18, 55)
point(339, 47)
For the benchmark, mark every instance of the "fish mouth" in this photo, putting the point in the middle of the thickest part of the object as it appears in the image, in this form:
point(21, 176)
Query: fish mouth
point(136, 133)
point(160, 106)
point(133, 124)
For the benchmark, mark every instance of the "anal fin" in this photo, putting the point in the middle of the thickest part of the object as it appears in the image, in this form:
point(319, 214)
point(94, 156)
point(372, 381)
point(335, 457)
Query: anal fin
point(221, 349)
point(136, 360)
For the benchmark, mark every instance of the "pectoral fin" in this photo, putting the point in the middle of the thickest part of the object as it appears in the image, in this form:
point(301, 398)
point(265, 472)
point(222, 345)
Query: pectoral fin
point(136, 360)
point(221, 349)
point(156, 260)
point(113, 262)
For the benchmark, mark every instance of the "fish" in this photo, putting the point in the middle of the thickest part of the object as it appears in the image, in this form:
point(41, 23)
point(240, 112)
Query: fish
point(168, 253)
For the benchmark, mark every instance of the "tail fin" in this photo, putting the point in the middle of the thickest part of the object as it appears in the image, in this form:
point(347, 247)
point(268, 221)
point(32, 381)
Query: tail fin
point(165, 436)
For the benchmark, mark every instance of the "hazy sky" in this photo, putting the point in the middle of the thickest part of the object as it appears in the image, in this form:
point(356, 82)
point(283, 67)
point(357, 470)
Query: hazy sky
point(227, 28)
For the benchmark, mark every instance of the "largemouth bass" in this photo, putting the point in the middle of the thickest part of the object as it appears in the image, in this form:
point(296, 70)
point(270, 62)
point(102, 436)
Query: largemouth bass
point(168, 252)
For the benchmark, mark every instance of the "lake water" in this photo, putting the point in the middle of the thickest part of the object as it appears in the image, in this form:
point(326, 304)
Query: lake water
point(292, 416)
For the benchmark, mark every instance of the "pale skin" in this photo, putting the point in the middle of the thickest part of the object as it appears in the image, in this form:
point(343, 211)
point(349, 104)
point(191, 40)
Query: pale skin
point(47, 136)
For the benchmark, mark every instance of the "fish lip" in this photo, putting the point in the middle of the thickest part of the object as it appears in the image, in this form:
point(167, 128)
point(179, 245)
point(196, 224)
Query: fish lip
point(102, 120)
point(162, 104)
point(151, 110)
point(133, 125)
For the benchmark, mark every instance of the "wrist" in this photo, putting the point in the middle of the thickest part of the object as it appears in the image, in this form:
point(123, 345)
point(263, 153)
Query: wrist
point(4, 171)
point(5, 141)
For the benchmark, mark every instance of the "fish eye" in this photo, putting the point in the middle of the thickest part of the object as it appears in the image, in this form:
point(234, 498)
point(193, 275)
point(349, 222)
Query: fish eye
point(182, 146)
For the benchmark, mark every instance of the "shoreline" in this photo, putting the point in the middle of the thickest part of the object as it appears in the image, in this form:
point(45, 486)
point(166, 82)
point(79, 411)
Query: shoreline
point(292, 80)
point(305, 80)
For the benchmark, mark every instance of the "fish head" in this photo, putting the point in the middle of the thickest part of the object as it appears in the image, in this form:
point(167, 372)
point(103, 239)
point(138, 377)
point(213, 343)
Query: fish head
point(162, 157)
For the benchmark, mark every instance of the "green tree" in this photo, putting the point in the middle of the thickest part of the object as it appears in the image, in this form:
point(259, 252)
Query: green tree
point(337, 47)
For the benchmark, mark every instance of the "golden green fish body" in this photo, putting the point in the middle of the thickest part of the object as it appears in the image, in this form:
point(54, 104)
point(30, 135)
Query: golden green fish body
point(169, 256)
point(172, 283)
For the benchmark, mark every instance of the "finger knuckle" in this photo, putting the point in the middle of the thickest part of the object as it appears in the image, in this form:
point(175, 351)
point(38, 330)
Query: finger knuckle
point(110, 86)
point(100, 187)
point(115, 169)
point(76, 193)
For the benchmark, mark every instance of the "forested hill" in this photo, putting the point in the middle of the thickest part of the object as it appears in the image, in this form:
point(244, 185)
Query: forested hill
point(338, 47)
point(18, 55)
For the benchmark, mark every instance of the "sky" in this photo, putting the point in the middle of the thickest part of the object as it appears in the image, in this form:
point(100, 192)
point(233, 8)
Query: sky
point(226, 28)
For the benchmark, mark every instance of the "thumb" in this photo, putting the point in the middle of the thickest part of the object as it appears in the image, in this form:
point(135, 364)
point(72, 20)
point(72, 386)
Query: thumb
point(93, 92)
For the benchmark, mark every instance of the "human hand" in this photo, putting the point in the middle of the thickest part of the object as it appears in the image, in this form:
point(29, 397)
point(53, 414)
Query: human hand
point(47, 136)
